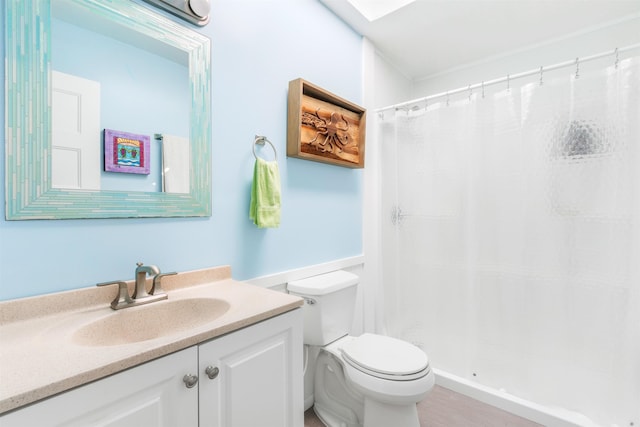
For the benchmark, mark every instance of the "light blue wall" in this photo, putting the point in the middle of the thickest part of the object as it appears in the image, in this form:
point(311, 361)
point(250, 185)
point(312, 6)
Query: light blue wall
point(258, 46)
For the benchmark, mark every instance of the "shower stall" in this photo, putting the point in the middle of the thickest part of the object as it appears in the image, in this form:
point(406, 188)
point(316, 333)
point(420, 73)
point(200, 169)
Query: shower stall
point(511, 237)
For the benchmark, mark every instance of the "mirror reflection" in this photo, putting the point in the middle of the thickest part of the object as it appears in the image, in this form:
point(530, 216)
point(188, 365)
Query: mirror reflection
point(111, 95)
point(119, 77)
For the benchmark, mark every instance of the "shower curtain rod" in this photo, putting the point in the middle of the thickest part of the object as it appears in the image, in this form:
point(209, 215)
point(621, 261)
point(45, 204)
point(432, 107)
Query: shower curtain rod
point(576, 62)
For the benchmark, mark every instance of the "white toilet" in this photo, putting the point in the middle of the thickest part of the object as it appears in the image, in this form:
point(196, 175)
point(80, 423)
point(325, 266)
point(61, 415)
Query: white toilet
point(370, 380)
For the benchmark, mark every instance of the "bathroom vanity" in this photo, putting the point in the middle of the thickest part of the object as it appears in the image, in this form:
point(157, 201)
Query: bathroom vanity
point(240, 367)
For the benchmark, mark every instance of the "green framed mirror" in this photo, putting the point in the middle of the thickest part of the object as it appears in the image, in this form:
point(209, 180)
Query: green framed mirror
point(28, 128)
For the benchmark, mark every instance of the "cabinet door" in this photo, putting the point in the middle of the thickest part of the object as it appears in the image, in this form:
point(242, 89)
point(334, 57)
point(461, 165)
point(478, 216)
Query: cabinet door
point(152, 394)
point(259, 381)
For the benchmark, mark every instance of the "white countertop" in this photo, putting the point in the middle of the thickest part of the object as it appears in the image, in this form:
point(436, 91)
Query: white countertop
point(39, 358)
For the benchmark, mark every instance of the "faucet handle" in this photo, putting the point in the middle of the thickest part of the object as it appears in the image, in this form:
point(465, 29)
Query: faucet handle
point(156, 288)
point(122, 299)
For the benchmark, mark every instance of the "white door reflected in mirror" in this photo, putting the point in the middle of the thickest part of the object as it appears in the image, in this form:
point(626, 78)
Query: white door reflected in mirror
point(75, 143)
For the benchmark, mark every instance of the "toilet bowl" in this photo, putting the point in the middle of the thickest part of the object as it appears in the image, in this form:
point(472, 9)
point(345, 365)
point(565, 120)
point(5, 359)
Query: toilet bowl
point(365, 381)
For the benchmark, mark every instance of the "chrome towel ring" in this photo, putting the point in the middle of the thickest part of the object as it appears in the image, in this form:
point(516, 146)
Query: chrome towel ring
point(260, 140)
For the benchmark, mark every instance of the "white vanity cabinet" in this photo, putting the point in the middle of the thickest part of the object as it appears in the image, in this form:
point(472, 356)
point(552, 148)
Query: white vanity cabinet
point(258, 384)
point(152, 394)
point(257, 376)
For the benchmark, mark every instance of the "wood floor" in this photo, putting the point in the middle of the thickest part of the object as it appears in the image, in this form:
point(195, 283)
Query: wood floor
point(445, 408)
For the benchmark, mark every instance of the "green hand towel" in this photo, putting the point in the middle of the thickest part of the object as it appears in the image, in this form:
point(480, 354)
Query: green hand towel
point(264, 209)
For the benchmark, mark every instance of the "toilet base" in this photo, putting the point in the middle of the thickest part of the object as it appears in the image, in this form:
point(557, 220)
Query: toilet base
point(335, 403)
point(330, 419)
point(378, 414)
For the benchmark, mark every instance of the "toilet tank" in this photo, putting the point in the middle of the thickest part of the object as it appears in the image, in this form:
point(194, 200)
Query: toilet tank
point(329, 304)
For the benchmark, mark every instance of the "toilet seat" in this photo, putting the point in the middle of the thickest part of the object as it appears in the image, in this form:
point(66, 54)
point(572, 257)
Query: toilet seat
point(386, 358)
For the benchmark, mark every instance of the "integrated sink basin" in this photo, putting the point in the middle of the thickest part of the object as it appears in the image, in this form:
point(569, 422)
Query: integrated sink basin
point(147, 322)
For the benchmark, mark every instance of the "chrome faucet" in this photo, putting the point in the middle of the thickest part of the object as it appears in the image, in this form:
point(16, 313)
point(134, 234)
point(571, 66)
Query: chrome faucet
point(140, 295)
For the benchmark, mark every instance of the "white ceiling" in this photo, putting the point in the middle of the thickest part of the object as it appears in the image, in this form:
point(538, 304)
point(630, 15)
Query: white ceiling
point(427, 37)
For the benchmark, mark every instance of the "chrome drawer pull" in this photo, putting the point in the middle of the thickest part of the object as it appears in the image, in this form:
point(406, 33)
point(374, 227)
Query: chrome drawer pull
point(212, 372)
point(190, 380)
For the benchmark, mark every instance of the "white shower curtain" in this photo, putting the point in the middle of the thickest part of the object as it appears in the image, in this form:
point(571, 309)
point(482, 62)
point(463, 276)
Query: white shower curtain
point(511, 239)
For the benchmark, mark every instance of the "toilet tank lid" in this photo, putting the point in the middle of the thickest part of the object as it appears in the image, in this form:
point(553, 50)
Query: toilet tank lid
point(323, 283)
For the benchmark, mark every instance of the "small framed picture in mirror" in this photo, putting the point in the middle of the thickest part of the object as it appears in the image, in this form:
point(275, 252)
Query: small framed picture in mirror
point(126, 152)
